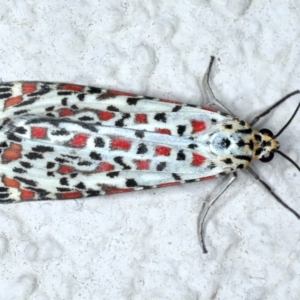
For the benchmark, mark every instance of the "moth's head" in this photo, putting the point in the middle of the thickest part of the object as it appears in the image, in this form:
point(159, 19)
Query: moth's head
point(266, 145)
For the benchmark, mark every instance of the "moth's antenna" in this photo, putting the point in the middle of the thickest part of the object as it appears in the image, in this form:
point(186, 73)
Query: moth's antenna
point(256, 119)
point(288, 158)
point(288, 123)
point(280, 132)
point(250, 171)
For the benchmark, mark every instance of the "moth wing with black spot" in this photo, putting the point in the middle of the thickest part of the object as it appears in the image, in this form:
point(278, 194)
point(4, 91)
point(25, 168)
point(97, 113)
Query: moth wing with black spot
point(100, 143)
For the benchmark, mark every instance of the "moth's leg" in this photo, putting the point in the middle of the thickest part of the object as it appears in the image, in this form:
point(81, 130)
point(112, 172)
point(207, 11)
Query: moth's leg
point(205, 208)
point(208, 89)
point(251, 172)
point(256, 119)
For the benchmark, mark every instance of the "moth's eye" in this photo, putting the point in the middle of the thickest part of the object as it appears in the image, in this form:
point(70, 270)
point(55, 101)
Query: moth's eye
point(267, 132)
point(267, 157)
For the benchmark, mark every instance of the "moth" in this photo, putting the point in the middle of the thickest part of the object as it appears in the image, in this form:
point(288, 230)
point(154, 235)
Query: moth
point(66, 141)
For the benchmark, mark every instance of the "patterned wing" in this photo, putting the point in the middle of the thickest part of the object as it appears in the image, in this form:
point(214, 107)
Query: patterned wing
point(80, 141)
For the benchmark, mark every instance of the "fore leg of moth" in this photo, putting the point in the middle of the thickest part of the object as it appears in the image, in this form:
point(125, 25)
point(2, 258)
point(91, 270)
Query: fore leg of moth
point(208, 204)
point(205, 208)
point(208, 89)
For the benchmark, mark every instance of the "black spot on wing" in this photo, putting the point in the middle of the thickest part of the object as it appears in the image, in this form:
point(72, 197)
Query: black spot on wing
point(92, 193)
point(26, 181)
point(60, 132)
point(61, 160)
point(96, 156)
point(50, 165)
point(27, 102)
point(161, 117)
point(142, 149)
point(81, 97)
point(181, 129)
point(64, 101)
point(192, 146)
point(25, 164)
point(119, 160)
point(176, 176)
point(43, 149)
point(64, 181)
point(180, 155)
point(161, 166)
point(112, 108)
point(139, 133)
point(64, 93)
point(113, 174)
point(94, 90)
point(80, 186)
point(130, 182)
point(19, 170)
point(84, 163)
point(21, 130)
point(34, 156)
point(132, 101)
point(21, 112)
point(13, 137)
point(176, 108)
point(86, 119)
point(99, 142)
point(5, 95)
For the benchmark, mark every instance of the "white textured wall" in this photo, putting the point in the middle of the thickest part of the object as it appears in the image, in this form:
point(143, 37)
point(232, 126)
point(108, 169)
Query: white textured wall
point(144, 245)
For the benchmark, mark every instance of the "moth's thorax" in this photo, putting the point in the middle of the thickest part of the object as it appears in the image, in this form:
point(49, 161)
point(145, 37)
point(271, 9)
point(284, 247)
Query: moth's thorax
point(263, 145)
point(236, 144)
point(233, 144)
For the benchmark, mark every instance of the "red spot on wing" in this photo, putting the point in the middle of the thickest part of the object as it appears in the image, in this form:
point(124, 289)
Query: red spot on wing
point(79, 140)
point(10, 182)
point(169, 101)
point(66, 112)
point(105, 167)
point(198, 160)
point(162, 151)
point(209, 109)
point(167, 184)
point(70, 195)
point(120, 144)
point(11, 153)
point(28, 88)
point(39, 132)
point(117, 191)
point(141, 118)
point(27, 195)
point(207, 178)
point(105, 115)
point(142, 164)
point(118, 93)
point(71, 87)
point(163, 131)
point(65, 169)
point(13, 101)
point(198, 126)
